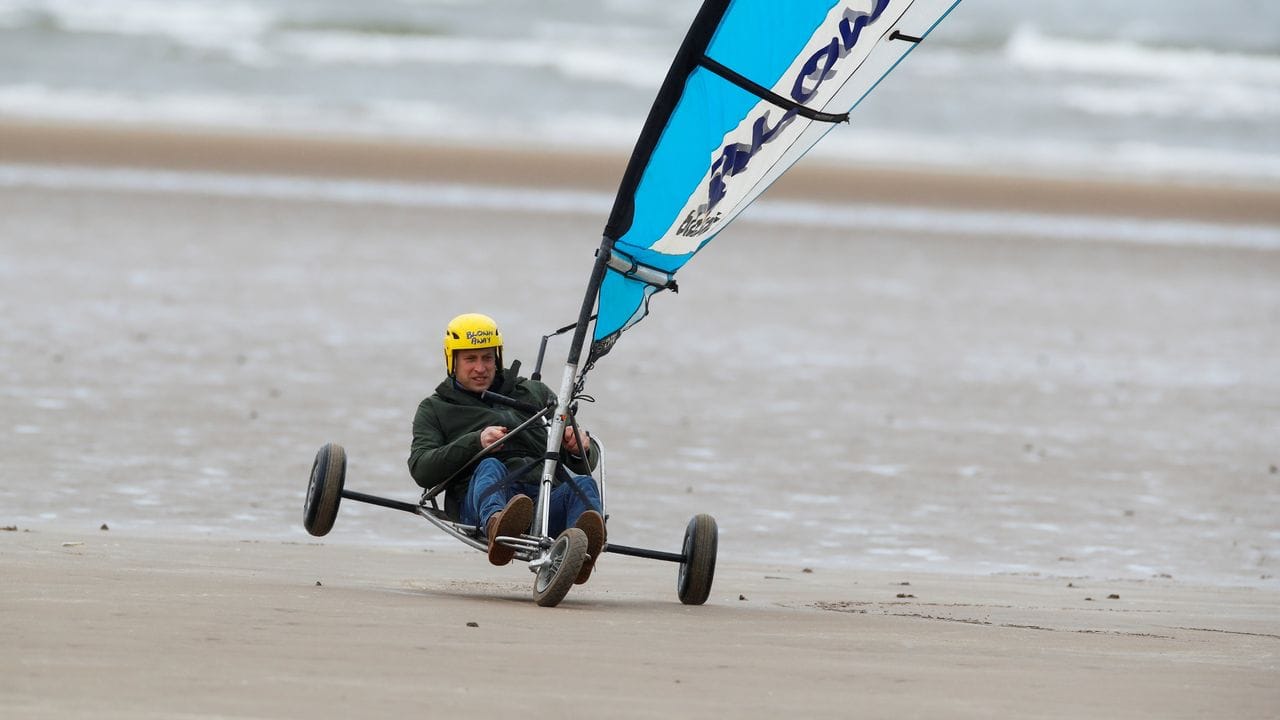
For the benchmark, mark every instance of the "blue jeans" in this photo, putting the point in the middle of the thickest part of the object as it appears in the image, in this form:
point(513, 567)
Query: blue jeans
point(566, 504)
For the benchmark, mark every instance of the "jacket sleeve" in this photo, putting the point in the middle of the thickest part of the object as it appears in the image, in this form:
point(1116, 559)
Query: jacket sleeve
point(432, 458)
point(579, 464)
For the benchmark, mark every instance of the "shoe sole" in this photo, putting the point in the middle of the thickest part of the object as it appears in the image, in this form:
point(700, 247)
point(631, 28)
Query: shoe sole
point(513, 521)
point(592, 525)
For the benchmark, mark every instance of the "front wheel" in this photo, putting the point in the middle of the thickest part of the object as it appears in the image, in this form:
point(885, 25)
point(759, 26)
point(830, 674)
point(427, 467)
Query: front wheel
point(701, 538)
point(563, 561)
point(324, 492)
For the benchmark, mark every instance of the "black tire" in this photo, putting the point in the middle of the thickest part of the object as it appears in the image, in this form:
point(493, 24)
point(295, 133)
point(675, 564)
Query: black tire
point(564, 560)
point(701, 538)
point(324, 492)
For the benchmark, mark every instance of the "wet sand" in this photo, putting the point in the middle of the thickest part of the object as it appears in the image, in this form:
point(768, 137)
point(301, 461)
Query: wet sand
point(816, 178)
point(169, 364)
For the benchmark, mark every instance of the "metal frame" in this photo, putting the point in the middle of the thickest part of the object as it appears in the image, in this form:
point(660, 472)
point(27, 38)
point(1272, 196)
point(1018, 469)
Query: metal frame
point(529, 548)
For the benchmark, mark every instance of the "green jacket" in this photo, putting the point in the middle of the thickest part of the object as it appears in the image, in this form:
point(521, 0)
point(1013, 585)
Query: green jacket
point(446, 434)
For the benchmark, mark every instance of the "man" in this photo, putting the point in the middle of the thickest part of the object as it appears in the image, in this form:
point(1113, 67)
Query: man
point(454, 424)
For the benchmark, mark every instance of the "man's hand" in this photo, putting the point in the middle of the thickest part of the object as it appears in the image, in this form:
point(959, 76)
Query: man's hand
point(576, 442)
point(491, 435)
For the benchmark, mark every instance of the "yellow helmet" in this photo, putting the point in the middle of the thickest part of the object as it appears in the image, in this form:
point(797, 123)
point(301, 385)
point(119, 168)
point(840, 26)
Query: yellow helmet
point(471, 331)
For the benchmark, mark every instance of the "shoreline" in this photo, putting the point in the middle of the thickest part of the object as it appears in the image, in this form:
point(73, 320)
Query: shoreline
point(414, 161)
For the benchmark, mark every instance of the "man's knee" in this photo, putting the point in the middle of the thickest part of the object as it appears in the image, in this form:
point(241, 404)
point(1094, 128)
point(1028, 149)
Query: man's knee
point(587, 485)
point(489, 468)
point(486, 479)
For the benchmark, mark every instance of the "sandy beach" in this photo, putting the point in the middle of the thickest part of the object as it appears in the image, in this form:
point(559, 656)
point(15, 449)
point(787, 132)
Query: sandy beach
point(1022, 477)
point(815, 179)
point(104, 626)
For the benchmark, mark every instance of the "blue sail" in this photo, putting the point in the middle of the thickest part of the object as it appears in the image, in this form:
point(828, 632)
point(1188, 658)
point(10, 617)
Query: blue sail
point(755, 84)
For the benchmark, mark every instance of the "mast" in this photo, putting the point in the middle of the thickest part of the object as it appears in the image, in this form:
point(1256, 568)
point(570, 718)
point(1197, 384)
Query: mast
point(565, 396)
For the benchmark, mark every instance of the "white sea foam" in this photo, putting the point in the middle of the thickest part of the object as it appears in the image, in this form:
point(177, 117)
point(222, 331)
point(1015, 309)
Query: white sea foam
point(339, 47)
point(583, 73)
point(1029, 47)
point(1208, 102)
point(1122, 78)
point(1074, 107)
point(33, 101)
point(207, 24)
point(581, 58)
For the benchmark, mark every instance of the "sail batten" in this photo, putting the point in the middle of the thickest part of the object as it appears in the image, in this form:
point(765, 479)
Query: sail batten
point(754, 86)
point(765, 93)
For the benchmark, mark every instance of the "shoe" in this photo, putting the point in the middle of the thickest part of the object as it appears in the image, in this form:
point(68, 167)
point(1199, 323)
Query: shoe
point(592, 524)
point(511, 521)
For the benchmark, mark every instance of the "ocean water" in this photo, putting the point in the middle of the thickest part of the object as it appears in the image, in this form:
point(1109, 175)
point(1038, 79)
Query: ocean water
point(1165, 91)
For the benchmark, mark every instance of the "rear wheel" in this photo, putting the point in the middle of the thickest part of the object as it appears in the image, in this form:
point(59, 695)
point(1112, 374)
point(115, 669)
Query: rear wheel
point(701, 538)
point(324, 492)
point(563, 561)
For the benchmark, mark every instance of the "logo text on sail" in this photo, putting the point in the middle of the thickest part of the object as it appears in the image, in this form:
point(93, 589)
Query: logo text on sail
point(734, 157)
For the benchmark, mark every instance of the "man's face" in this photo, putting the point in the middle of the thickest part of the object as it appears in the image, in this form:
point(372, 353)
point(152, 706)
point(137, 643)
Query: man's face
point(475, 369)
